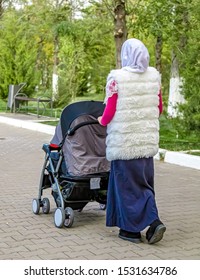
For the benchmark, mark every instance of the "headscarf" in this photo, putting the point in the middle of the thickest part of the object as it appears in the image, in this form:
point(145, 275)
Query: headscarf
point(134, 56)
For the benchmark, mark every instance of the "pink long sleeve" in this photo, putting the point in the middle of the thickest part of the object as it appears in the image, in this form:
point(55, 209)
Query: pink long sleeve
point(160, 106)
point(109, 110)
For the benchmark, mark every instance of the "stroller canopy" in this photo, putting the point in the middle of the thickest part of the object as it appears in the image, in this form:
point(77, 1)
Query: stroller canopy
point(72, 111)
point(85, 150)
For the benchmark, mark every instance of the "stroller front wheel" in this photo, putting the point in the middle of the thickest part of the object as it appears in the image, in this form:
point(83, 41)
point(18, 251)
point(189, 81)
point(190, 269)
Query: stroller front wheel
point(69, 217)
point(45, 205)
point(59, 217)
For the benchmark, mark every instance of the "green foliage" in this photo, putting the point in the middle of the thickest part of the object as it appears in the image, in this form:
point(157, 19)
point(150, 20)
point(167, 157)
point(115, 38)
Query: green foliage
point(18, 55)
point(3, 105)
point(44, 37)
point(27, 45)
point(148, 19)
point(174, 135)
point(190, 71)
point(86, 55)
point(178, 22)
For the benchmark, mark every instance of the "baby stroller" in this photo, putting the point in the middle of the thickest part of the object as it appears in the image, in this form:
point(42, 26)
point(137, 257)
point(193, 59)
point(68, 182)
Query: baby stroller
point(75, 166)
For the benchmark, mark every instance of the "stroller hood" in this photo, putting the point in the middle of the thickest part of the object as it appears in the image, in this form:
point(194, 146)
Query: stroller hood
point(84, 151)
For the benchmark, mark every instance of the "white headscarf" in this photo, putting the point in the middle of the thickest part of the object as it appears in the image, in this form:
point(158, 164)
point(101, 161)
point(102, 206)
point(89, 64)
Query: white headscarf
point(134, 56)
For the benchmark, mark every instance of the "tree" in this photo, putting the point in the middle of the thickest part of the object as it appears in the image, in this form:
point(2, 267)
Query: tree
point(86, 54)
point(190, 70)
point(179, 43)
point(1, 7)
point(150, 21)
point(18, 52)
point(36, 23)
point(120, 33)
point(43, 37)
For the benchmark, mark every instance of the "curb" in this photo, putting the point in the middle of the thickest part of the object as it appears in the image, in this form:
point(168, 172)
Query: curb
point(48, 129)
point(177, 158)
point(182, 159)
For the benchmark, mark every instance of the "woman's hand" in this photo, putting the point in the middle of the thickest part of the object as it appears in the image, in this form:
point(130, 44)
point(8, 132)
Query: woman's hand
point(99, 119)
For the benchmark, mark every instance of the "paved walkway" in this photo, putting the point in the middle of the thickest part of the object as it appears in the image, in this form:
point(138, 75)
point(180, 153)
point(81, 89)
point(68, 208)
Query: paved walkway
point(24, 235)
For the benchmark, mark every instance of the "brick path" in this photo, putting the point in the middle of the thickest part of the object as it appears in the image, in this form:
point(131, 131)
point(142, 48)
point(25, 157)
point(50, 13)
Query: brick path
point(24, 235)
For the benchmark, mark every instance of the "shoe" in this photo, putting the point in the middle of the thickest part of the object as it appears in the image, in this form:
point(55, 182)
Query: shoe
point(155, 232)
point(134, 237)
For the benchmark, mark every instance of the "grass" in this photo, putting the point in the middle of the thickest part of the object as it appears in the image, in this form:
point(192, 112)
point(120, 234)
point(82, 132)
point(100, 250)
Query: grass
point(174, 137)
point(3, 105)
point(54, 123)
point(194, 153)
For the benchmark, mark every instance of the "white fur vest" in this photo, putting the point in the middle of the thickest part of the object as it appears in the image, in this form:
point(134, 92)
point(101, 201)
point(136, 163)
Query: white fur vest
point(134, 131)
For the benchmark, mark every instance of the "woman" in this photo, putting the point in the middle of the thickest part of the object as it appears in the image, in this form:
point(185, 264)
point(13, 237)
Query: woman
point(132, 118)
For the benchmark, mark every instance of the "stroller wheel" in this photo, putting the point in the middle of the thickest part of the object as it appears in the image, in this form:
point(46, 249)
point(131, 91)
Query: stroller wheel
point(36, 206)
point(69, 217)
point(59, 217)
point(45, 205)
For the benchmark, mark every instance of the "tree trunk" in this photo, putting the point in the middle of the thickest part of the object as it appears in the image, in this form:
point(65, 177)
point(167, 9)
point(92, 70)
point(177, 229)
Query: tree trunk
point(159, 43)
point(175, 96)
point(120, 33)
point(55, 66)
point(176, 82)
point(1, 8)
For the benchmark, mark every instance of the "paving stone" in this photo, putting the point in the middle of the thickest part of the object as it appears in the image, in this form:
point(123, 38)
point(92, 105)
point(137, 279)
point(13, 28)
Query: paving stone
point(24, 235)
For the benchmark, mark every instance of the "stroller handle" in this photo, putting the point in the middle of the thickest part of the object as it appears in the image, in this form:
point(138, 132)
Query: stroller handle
point(72, 130)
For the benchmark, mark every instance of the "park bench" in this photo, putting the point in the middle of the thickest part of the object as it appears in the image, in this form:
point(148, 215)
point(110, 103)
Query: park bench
point(16, 99)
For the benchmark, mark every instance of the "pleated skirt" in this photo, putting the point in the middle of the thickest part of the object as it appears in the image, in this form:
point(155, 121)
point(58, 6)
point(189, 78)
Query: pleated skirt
point(131, 204)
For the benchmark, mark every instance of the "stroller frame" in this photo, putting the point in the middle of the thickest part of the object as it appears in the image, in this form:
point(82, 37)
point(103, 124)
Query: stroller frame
point(51, 177)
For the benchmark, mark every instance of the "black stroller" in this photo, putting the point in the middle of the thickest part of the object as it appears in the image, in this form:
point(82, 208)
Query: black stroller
point(75, 166)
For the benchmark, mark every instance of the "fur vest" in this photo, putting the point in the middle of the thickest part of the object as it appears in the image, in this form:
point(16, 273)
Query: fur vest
point(134, 130)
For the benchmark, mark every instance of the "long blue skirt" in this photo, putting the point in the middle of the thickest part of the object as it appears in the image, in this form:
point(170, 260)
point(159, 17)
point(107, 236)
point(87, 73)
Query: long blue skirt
point(131, 204)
